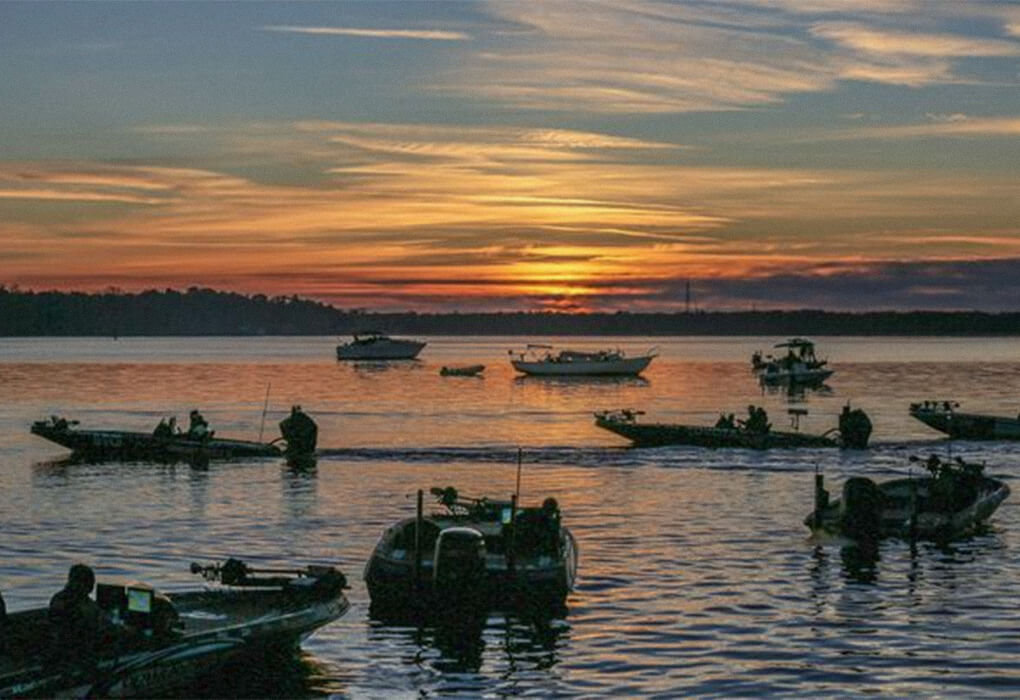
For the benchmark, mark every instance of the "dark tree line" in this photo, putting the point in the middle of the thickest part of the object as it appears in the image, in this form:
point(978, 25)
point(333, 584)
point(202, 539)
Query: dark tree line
point(199, 311)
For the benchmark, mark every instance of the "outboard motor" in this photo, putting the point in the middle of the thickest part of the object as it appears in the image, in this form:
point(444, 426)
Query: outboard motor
point(861, 508)
point(854, 427)
point(301, 433)
point(458, 567)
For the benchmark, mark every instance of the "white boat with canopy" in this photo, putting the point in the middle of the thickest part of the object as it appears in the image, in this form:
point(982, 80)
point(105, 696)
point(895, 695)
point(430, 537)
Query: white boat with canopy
point(543, 360)
point(372, 345)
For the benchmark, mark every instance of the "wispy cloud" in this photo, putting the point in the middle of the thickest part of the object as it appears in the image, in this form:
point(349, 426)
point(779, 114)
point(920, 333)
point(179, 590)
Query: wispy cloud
point(171, 129)
point(885, 42)
point(956, 125)
point(528, 211)
point(423, 34)
point(637, 56)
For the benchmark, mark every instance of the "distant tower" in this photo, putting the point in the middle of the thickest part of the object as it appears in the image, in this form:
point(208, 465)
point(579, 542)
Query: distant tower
point(687, 298)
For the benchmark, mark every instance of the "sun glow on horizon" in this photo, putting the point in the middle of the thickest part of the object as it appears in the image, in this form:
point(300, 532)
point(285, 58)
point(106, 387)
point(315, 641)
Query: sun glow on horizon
point(507, 155)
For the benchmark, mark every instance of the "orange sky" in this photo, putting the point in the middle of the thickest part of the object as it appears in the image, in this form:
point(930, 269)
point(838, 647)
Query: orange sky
point(506, 155)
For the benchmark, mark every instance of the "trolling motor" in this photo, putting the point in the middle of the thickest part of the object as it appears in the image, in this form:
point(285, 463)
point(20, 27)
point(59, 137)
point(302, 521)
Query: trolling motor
point(234, 572)
point(450, 498)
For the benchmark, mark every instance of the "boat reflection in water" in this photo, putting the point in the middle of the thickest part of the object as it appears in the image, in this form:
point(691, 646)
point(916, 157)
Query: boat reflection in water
point(521, 639)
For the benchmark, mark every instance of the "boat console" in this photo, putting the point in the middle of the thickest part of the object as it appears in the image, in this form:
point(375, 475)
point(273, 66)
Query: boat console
point(134, 605)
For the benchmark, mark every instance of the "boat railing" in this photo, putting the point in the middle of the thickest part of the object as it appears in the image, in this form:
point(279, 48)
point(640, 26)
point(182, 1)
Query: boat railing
point(934, 406)
point(234, 572)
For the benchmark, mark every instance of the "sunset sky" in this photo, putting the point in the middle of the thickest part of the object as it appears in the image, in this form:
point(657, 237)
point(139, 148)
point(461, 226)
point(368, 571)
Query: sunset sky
point(518, 155)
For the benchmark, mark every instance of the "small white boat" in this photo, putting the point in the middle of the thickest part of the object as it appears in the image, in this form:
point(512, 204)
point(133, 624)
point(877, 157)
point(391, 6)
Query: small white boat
point(539, 360)
point(800, 365)
point(378, 346)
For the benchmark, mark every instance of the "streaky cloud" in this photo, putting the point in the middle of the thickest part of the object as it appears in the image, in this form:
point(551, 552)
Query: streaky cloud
point(422, 34)
point(956, 125)
point(885, 42)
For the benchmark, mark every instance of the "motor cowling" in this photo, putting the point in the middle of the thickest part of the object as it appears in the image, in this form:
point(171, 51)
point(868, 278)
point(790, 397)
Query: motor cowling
point(458, 567)
point(861, 508)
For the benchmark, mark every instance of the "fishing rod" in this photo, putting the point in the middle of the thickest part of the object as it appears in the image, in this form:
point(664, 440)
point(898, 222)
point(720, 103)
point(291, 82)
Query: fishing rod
point(265, 407)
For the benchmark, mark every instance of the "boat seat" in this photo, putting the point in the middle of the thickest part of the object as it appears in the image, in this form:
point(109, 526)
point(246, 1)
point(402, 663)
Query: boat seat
point(533, 533)
point(27, 635)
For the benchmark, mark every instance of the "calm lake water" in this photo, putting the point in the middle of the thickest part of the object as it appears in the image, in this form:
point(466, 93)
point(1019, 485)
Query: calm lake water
point(696, 573)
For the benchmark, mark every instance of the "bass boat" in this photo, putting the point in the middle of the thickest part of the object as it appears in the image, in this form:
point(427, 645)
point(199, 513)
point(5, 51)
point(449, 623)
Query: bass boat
point(129, 445)
point(476, 552)
point(854, 431)
point(943, 416)
point(153, 643)
point(539, 360)
point(953, 500)
point(378, 346)
point(298, 439)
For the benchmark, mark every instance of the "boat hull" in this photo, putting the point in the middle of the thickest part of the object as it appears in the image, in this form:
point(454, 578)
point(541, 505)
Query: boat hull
point(383, 350)
point(628, 366)
point(127, 445)
point(161, 667)
point(663, 434)
point(969, 426)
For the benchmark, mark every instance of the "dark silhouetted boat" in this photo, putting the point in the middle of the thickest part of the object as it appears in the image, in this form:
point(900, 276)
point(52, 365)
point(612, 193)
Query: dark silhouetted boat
point(156, 643)
point(475, 552)
point(372, 345)
point(953, 500)
point(943, 416)
point(854, 432)
point(128, 445)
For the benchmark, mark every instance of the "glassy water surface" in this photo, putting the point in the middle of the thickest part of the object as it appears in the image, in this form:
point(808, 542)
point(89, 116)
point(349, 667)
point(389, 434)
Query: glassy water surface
point(696, 573)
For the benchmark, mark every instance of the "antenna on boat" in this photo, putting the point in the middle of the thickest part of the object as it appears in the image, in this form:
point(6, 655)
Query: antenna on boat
point(265, 407)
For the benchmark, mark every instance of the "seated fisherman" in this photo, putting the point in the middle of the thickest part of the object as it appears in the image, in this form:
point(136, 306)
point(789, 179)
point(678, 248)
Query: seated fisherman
point(198, 427)
point(757, 420)
point(76, 621)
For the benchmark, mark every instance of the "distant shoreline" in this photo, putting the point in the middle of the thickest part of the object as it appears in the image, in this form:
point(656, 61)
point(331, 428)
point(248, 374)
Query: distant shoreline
point(205, 312)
